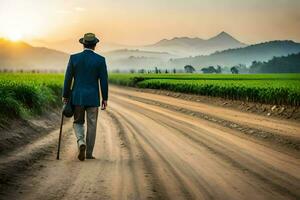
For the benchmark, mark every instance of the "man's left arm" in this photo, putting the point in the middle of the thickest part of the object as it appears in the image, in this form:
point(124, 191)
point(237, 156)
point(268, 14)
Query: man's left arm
point(104, 85)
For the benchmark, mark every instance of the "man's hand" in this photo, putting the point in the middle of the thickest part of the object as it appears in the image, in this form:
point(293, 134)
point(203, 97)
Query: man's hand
point(103, 105)
point(65, 100)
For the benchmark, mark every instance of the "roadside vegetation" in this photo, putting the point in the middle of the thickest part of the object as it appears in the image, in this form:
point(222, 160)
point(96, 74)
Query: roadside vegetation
point(25, 94)
point(282, 89)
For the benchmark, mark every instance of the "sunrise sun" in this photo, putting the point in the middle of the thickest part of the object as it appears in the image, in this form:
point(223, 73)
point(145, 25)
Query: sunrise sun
point(14, 36)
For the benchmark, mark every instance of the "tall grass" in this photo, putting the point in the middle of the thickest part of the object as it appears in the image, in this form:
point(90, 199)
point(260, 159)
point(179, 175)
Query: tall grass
point(22, 95)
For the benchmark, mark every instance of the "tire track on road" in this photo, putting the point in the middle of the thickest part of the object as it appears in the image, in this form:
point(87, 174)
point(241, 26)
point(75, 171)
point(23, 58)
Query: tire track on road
point(287, 142)
point(141, 143)
point(115, 174)
point(261, 169)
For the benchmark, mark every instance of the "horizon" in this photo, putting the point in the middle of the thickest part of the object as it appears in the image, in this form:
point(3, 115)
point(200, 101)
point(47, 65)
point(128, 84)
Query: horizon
point(132, 47)
point(58, 25)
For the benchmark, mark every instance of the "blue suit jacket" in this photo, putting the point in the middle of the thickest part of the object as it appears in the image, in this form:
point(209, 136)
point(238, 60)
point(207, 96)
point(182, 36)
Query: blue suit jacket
point(86, 68)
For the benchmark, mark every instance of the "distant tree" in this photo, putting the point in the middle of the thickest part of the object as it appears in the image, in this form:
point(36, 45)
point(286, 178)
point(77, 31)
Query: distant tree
point(156, 70)
point(132, 71)
point(242, 68)
point(116, 71)
point(166, 72)
point(131, 57)
point(141, 71)
point(209, 70)
point(174, 71)
point(284, 64)
point(234, 70)
point(219, 70)
point(255, 67)
point(189, 69)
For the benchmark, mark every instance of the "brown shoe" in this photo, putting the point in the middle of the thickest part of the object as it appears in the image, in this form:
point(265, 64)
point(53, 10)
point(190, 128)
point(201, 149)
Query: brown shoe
point(81, 155)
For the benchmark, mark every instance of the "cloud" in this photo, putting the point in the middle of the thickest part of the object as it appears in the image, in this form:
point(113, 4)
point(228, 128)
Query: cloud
point(79, 9)
point(64, 11)
point(68, 11)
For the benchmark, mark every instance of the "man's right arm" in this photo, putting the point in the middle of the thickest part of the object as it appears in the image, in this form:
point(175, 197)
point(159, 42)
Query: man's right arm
point(68, 80)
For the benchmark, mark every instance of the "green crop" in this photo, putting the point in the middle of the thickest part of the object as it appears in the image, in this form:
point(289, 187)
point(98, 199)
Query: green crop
point(25, 94)
point(264, 88)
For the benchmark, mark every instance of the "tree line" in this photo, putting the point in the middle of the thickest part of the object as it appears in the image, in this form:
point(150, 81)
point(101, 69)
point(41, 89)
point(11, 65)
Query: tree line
point(283, 64)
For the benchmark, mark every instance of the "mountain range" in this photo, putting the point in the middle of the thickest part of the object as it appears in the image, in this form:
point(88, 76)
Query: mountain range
point(20, 55)
point(185, 46)
point(223, 50)
point(257, 52)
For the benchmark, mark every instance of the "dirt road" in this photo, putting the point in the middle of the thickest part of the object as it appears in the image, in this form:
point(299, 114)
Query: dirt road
point(157, 147)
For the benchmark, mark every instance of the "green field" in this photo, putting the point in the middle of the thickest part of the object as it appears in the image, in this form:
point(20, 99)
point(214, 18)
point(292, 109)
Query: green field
point(28, 94)
point(25, 94)
point(265, 88)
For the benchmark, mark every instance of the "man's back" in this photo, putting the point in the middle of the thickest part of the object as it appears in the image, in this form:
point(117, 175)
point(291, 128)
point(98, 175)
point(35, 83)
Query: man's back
point(86, 68)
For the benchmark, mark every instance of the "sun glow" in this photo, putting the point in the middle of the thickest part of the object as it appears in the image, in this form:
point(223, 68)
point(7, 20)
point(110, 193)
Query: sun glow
point(22, 20)
point(14, 36)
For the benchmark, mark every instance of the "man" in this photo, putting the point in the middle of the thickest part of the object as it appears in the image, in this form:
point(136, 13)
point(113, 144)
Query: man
point(85, 69)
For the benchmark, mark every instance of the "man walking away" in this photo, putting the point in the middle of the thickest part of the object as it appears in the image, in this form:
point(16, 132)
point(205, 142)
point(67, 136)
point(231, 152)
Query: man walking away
point(85, 69)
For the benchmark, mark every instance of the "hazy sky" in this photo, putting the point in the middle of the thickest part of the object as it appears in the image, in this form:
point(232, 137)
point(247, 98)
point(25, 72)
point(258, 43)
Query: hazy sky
point(137, 22)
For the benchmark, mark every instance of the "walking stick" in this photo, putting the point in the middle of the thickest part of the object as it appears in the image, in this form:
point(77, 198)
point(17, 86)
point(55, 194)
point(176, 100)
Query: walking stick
point(59, 139)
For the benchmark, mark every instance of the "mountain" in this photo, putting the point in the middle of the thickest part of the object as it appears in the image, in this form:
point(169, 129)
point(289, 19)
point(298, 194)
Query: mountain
point(284, 64)
point(20, 55)
point(246, 55)
point(185, 46)
point(160, 53)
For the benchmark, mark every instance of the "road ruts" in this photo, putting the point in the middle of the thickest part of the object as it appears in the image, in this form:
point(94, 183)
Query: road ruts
point(117, 173)
point(206, 161)
point(145, 151)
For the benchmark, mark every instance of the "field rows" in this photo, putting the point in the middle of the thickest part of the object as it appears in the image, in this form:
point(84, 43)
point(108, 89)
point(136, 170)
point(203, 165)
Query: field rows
point(269, 88)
